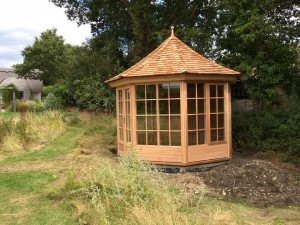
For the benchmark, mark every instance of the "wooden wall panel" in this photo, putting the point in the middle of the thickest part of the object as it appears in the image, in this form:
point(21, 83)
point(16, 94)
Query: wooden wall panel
point(207, 152)
point(160, 154)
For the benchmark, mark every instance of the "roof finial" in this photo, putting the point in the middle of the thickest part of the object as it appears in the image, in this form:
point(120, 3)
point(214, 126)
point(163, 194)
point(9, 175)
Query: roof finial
point(172, 31)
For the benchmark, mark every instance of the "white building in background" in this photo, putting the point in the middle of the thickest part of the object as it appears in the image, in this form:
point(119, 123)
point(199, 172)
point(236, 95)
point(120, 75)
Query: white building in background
point(30, 89)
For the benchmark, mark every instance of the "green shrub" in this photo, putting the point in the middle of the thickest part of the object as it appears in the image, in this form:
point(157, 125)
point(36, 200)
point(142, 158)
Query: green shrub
point(61, 92)
point(268, 131)
point(52, 103)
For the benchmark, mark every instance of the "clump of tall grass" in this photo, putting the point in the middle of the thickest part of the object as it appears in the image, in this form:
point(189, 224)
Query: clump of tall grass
point(28, 130)
point(132, 192)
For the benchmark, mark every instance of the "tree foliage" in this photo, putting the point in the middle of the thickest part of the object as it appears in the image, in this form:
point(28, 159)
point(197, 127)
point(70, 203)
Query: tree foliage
point(257, 38)
point(45, 59)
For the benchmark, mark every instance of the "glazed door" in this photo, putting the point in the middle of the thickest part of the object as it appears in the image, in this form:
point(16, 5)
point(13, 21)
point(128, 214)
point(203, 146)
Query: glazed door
point(124, 118)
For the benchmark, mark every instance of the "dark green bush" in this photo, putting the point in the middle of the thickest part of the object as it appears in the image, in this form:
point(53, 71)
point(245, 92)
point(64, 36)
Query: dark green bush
point(276, 131)
point(52, 103)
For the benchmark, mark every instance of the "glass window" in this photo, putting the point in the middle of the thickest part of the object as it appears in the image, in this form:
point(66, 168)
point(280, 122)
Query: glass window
point(175, 139)
point(158, 117)
point(141, 136)
point(140, 91)
point(163, 106)
point(217, 113)
point(175, 122)
point(151, 91)
point(174, 90)
point(164, 122)
point(163, 90)
point(141, 123)
point(196, 113)
point(175, 106)
point(191, 90)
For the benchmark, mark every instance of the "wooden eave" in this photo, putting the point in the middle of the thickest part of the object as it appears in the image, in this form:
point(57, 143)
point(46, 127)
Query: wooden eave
point(173, 78)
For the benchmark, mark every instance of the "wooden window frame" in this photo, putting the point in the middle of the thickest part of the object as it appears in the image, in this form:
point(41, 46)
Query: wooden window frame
point(209, 142)
point(158, 115)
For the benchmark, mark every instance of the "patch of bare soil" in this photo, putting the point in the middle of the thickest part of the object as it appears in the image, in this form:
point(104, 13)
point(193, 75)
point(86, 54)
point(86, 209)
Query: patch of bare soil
point(258, 182)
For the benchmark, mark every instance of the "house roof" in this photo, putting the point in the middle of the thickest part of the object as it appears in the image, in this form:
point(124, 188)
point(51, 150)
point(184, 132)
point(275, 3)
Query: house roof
point(173, 57)
point(8, 76)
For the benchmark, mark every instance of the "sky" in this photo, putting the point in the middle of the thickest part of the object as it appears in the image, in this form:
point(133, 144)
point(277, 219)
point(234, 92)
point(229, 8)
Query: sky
point(23, 20)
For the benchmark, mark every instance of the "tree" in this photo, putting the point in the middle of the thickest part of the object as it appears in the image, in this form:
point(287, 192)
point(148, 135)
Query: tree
point(137, 27)
point(258, 38)
point(47, 55)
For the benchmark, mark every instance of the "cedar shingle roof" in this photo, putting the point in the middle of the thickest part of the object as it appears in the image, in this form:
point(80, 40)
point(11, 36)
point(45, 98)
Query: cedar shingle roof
point(173, 57)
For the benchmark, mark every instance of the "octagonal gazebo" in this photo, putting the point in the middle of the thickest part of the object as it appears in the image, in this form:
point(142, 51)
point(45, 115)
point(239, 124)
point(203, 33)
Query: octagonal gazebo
point(174, 107)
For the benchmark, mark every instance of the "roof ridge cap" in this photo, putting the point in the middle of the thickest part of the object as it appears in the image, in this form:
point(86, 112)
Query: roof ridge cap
point(179, 58)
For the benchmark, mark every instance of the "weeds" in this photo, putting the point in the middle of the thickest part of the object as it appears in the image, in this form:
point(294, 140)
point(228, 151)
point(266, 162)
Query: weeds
point(133, 192)
point(28, 130)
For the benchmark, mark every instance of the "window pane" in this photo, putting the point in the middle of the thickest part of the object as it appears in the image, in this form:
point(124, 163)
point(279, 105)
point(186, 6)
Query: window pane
point(200, 90)
point(213, 105)
point(151, 107)
point(212, 90)
point(175, 122)
point(151, 123)
point(201, 137)
point(213, 135)
point(191, 106)
point(174, 106)
point(213, 121)
point(127, 108)
point(164, 122)
point(121, 134)
point(120, 95)
point(163, 107)
point(141, 136)
point(221, 120)
point(141, 122)
point(163, 90)
point(175, 90)
point(140, 92)
point(191, 122)
point(120, 107)
point(221, 105)
point(128, 136)
point(191, 90)
point(120, 121)
point(151, 91)
point(201, 122)
point(164, 138)
point(221, 135)
point(220, 90)
point(201, 105)
point(127, 94)
point(175, 138)
point(192, 138)
point(152, 138)
point(140, 108)
point(128, 122)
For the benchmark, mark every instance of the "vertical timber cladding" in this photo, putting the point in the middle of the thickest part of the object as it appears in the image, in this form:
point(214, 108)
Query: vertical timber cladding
point(208, 117)
point(158, 121)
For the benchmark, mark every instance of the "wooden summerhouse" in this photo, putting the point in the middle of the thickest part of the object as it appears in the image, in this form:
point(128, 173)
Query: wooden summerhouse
point(174, 107)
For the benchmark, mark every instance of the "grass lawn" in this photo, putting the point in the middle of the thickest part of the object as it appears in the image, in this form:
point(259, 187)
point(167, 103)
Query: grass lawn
point(29, 179)
point(7, 114)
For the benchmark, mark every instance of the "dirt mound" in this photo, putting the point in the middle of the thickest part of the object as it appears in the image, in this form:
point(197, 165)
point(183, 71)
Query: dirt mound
point(258, 182)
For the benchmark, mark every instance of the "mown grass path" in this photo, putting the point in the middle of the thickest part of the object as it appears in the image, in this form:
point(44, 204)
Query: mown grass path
point(26, 178)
